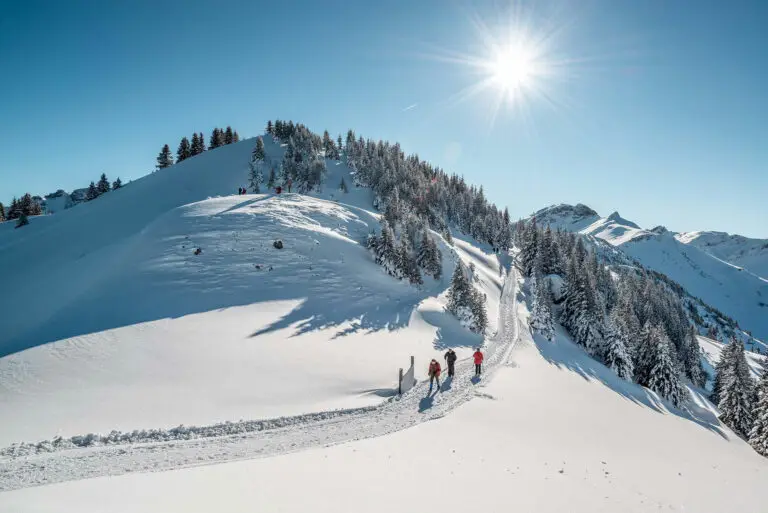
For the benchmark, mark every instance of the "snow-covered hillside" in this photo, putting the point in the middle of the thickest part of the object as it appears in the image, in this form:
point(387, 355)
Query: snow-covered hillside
point(737, 293)
point(553, 431)
point(751, 254)
point(126, 328)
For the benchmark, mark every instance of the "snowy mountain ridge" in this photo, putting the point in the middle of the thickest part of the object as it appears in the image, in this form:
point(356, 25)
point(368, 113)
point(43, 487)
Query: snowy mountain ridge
point(739, 294)
point(751, 254)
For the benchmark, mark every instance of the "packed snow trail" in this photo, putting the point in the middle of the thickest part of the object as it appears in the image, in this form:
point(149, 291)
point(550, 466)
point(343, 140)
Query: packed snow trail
point(25, 465)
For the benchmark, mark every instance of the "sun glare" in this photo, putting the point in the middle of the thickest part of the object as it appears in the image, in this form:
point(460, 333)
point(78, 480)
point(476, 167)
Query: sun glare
point(515, 60)
point(512, 69)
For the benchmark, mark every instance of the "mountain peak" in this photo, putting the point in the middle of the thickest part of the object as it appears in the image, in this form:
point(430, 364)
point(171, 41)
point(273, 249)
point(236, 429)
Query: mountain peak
point(616, 218)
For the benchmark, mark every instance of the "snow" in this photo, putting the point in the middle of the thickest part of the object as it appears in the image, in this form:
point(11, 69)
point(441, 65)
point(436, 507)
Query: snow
point(712, 349)
point(131, 330)
point(750, 254)
point(739, 294)
point(535, 438)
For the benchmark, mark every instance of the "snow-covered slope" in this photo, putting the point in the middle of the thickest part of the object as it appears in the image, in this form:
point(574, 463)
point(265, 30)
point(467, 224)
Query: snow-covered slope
point(126, 328)
point(728, 288)
point(554, 431)
point(751, 254)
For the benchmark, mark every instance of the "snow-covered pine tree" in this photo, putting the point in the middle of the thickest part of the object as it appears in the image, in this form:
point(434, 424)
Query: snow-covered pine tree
point(541, 320)
point(117, 184)
point(736, 394)
point(270, 128)
point(385, 251)
point(616, 348)
point(758, 435)
point(691, 355)
point(258, 150)
point(664, 377)
point(13, 210)
point(479, 313)
point(228, 136)
point(255, 177)
point(339, 147)
point(93, 192)
point(194, 147)
point(201, 143)
point(644, 354)
point(459, 294)
point(529, 247)
point(429, 257)
point(103, 186)
point(165, 158)
point(407, 264)
point(723, 368)
point(184, 151)
point(544, 252)
point(2, 212)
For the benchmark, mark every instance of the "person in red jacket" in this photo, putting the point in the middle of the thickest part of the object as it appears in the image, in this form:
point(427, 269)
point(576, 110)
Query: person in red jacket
point(478, 356)
point(434, 373)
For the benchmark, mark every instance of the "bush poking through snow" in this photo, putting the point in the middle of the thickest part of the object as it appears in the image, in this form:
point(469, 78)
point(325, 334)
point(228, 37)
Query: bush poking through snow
point(278, 244)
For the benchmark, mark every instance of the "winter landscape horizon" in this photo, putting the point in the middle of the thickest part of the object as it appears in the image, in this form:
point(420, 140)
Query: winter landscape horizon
point(493, 245)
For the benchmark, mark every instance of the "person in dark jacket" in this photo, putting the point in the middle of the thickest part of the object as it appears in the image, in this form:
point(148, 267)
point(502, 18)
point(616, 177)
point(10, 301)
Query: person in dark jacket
point(450, 359)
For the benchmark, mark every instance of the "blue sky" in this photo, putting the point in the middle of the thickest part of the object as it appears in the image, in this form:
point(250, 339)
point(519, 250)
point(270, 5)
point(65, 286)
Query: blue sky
point(658, 111)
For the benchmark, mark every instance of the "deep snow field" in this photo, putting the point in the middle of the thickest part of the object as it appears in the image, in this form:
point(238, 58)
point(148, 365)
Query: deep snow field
point(553, 431)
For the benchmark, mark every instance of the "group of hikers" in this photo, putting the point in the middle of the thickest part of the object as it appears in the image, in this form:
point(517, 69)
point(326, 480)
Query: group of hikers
point(450, 359)
point(278, 189)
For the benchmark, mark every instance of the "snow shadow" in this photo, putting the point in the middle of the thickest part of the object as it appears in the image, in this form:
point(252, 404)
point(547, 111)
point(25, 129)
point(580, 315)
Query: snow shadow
point(565, 354)
point(450, 332)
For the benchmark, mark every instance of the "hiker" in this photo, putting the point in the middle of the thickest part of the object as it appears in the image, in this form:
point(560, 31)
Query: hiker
point(450, 359)
point(289, 183)
point(434, 373)
point(478, 356)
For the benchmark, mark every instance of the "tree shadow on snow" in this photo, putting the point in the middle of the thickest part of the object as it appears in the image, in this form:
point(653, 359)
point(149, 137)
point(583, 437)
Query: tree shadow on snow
point(565, 354)
point(450, 332)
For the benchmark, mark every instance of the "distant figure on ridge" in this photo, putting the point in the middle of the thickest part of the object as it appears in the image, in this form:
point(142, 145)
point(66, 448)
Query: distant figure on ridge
point(478, 356)
point(434, 373)
point(450, 359)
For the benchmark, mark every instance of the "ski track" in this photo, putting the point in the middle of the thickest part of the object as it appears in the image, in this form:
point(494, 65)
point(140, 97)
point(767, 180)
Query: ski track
point(159, 450)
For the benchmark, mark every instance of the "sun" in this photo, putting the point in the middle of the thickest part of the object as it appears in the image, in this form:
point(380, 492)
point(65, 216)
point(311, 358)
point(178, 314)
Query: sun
point(512, 69)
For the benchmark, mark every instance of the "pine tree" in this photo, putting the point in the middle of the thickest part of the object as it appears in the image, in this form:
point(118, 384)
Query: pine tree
point(184, 151)
point(530, 245)
point(544, 252)
point(201, 142)
point(429, 257)
point(723, 368)
point(736, 394)
point(664, 377)
point(692, 356)
point(23, 221)
point(117, 184)
point(479, 313)
point(540, 320)
point(385, 252)
point(258, 150)
point(255, 178)
point(228, 135)
point(270, 128)
point(616, 348)
point(92, 193)
point(13, 211)
point(339, 145)
point(272, 179)
point(459, 294)
point(343, 186)
point(194, 147)
point(235, 137)
point(164, 159)
point(2, 212)
point(217, 139)
point(758, 436)
point(103, 185)
point(407, 264)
